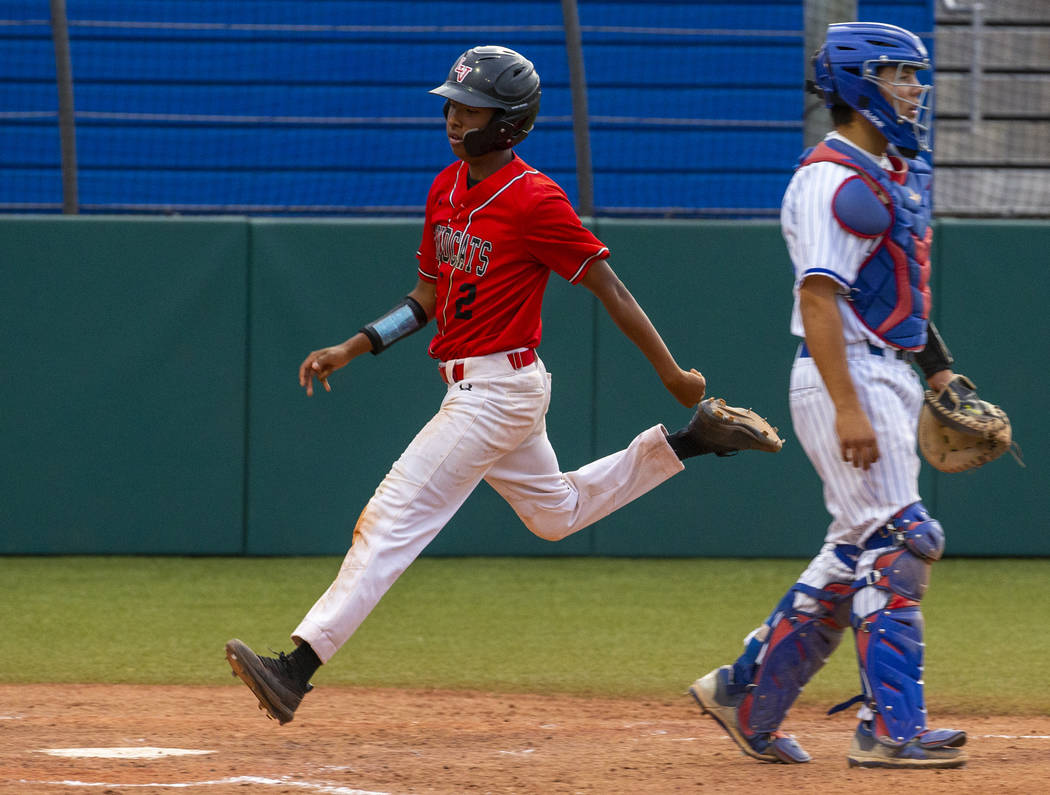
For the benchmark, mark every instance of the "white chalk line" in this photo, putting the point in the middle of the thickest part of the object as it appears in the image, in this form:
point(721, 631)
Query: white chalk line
point(283, 781)
point(978, 736)
point(128, 752)
point(328, 789)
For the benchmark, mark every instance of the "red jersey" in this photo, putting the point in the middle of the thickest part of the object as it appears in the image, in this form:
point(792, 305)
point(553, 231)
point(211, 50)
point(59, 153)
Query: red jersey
point(490, 250)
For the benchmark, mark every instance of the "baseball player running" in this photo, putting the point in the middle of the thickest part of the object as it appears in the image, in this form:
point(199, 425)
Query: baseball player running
point(856, 219)
point(495, 229)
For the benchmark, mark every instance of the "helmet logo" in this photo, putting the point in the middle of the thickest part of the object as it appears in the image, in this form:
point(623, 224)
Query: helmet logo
point(462, 70)
point(867, 114)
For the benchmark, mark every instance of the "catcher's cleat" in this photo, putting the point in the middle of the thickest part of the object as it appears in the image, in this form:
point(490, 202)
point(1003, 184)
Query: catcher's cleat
point(869, 751)
point(942, 738)
point(713, 695)
point(724, 430)
point(270, 679)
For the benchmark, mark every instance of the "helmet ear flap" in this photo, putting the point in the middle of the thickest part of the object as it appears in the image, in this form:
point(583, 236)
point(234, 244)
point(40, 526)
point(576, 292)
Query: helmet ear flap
point(474, 143)
point(497, 134)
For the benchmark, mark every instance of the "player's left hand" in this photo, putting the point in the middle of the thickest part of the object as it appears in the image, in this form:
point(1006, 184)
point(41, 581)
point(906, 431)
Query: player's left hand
point(940, 380)
point(688, 387)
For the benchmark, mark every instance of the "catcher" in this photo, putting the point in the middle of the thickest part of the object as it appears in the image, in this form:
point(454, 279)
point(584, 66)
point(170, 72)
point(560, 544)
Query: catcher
point(856, 220)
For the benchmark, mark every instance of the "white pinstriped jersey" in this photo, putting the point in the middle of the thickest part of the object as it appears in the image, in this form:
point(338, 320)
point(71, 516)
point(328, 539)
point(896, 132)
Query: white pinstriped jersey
point(859, 501)
point(818, 244)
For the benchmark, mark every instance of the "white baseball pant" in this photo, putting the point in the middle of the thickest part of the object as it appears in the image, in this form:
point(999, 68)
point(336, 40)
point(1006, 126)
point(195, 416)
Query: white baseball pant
point(490, 426)
point(890, 393)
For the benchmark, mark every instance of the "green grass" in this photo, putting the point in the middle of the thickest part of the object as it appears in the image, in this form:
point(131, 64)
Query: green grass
point(639, 628)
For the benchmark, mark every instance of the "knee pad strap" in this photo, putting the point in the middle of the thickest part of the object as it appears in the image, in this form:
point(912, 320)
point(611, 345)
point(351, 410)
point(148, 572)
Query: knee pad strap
point(902, 572)
point(918, 541)
point(911, 527)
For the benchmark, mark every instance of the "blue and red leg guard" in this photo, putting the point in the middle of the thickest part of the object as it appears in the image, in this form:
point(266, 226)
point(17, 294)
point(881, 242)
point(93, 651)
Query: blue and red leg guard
point(781, 658)
point(890, 640)
point(890, 652)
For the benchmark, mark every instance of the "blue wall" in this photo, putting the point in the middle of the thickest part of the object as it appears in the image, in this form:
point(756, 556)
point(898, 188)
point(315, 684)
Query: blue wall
point(321, 107)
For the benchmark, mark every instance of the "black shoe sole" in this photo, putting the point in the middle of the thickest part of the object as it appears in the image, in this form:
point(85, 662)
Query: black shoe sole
point(247, 667)
point(725, 424)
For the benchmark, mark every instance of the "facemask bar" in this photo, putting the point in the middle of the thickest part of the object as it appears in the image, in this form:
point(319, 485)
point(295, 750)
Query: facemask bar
point(898, 88)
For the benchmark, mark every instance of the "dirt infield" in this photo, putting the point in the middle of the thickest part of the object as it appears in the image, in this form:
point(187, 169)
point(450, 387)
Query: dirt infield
point(348, 740)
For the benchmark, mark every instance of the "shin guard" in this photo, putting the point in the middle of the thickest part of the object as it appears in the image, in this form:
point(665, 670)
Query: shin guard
point(786, 652)
point(890, 652)
point(890, 640)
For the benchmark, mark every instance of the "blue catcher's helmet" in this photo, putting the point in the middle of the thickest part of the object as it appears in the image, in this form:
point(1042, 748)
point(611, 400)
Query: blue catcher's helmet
point(846, 71)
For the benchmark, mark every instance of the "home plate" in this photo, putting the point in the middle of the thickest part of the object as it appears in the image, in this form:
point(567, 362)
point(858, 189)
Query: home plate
point(135, 752)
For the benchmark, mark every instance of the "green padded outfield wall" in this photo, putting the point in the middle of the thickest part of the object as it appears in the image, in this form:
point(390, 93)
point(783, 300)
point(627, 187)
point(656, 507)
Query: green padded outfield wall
point(151, 405)
point(993, 313)
point(123, 401)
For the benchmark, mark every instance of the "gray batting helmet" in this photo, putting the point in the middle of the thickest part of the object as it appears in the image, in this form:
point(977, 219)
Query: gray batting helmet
point(500, 78)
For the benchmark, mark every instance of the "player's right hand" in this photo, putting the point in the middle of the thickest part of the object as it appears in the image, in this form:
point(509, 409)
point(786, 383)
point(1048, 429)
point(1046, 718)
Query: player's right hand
point(857, 442)
point(321, 364)
point(688, 387)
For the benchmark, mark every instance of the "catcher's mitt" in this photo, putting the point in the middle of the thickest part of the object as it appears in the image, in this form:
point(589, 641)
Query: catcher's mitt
point(959, 431)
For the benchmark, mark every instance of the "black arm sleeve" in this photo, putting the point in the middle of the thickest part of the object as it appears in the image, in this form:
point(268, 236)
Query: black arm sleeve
point(935, 356)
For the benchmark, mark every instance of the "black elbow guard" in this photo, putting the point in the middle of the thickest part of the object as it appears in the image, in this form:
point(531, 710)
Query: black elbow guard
point(935, 356)
point(406, 318)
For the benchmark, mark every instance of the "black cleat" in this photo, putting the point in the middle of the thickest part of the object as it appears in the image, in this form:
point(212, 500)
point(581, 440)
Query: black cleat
point(270, 679)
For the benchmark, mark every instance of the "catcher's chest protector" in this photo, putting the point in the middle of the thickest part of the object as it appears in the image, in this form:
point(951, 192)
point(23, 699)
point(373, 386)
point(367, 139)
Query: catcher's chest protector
point(891, 294)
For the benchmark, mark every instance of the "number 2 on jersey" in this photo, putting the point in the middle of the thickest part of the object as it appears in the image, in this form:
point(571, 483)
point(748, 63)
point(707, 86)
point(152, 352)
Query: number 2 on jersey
point(469, 293)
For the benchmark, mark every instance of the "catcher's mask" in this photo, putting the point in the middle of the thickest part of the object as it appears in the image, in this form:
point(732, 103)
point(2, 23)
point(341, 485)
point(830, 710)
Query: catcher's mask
point(846, 71)
point(500, 78)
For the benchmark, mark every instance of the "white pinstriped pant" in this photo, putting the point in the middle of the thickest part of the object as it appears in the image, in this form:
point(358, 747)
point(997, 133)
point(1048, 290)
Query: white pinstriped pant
point(490, 426)
point(891, 395)
point(859, 502)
